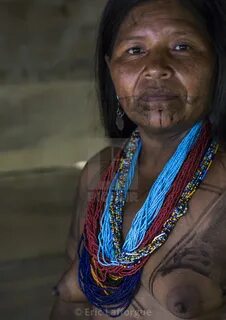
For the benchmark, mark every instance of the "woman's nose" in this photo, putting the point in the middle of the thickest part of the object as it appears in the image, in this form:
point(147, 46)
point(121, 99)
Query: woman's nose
point(157, 67)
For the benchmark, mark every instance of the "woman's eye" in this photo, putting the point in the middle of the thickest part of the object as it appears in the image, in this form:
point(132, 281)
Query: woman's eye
point(135, 51)
point(182, 47)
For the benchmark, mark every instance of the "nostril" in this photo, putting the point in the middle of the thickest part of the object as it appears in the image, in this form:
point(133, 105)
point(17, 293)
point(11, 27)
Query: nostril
point(166, 74)
point(158, 73)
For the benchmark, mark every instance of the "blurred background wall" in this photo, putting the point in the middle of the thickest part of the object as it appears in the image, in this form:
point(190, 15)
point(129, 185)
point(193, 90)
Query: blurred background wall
point(49, 127)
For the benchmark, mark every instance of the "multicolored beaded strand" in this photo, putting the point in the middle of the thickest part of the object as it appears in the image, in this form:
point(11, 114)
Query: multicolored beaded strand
point(111, 222)
point(110, 289)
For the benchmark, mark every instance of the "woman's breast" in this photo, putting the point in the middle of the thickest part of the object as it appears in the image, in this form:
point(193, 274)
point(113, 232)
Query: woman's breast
point(186, 277)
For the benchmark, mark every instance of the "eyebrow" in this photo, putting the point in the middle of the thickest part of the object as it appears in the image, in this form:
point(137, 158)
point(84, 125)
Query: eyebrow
point(130, 38)
point(184, 33)
point(177, 33)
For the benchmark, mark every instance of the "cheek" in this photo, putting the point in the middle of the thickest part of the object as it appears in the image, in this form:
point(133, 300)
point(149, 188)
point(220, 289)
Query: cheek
point(196, 77)
point(124, 79)
point(197, 81)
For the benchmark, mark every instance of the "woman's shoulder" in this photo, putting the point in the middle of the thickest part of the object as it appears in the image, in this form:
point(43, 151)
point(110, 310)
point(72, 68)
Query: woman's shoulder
point(96, 165)
point(216, 176)
point(88, 180)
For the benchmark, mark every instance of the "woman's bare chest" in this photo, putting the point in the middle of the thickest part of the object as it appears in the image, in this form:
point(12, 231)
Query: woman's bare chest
point(186, 277)
point(192, 259)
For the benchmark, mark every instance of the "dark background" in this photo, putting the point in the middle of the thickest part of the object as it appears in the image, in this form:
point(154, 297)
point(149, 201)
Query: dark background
point(49, 127)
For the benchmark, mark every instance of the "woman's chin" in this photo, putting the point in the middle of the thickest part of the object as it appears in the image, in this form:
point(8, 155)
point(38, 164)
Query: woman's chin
point(160, 120)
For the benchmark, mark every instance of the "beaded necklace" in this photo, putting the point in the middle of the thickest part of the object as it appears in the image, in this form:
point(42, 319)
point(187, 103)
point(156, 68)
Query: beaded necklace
point(112, 287)
point(111, 222)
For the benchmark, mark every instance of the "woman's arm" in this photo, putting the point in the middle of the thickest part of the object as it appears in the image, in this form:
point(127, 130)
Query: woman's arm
point(70, 302)
point(67, 291)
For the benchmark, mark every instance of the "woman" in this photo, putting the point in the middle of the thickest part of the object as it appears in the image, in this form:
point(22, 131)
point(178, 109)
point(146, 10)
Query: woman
point(154, 240)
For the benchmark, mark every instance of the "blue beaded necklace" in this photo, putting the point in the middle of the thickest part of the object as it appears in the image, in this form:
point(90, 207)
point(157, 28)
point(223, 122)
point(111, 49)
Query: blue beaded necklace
point(152, 205)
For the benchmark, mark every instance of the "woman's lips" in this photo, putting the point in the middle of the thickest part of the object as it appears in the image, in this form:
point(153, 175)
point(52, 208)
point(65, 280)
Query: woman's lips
point(156, 98)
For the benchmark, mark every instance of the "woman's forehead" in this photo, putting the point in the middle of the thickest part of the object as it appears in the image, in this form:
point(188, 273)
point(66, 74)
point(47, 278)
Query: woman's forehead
point(171, 10)
point(158, 14)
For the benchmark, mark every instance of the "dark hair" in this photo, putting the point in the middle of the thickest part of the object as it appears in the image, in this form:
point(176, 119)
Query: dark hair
point(212, 13)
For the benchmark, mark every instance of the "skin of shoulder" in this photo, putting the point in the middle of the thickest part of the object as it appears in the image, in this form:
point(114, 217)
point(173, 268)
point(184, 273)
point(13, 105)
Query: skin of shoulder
point(217, 175)
point(88, 181)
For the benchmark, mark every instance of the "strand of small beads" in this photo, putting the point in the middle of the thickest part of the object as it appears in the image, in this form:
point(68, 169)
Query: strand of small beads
point(111, 223)
point(179, 211)
point(184, 177)
point(104, 287)
point(189, 167)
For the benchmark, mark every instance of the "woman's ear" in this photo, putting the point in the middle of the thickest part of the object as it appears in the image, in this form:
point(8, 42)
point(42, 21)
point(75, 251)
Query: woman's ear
point(107, 60)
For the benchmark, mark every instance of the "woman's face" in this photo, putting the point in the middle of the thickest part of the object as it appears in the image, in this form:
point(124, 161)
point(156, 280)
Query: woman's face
point(162, 66)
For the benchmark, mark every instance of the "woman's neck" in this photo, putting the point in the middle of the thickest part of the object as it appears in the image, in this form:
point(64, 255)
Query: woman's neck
point(158, 148)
